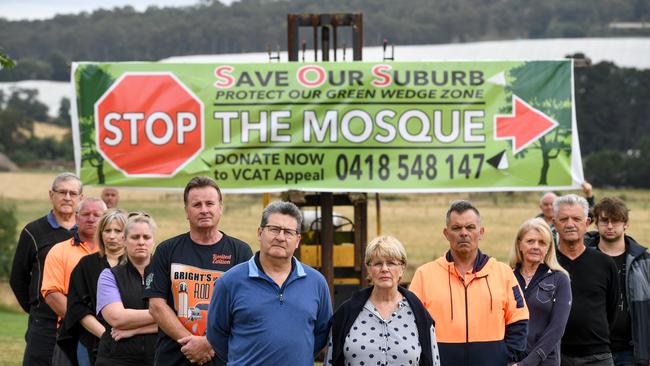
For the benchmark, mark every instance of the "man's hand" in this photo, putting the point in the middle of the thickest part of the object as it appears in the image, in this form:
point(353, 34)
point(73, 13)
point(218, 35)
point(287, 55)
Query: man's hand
point(197, 349)
point(587, 189)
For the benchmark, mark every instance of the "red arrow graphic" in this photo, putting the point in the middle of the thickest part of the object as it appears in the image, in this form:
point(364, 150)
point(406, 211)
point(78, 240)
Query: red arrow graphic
point(524, 126)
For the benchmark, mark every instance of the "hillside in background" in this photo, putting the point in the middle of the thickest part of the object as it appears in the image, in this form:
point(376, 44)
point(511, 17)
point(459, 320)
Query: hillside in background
point(44, 48)
point(611, 95)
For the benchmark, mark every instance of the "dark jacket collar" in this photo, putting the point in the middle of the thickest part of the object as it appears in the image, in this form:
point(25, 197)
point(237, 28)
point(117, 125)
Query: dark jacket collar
point(541, 273)
point(348, 312)
point(479, 263)
point(75, 235)
point(633, 248)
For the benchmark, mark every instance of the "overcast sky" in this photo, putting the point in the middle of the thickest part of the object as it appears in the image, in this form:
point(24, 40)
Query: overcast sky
point(43, 9)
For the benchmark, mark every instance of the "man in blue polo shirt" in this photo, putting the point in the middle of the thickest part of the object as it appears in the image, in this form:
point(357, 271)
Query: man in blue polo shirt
point(272, 310)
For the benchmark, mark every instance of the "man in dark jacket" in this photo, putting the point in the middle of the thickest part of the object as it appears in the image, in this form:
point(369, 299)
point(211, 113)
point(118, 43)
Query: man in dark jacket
point(630, 336)
point(36, 240)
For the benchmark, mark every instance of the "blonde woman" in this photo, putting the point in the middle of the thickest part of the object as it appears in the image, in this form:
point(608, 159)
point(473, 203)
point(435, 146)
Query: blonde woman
point(80, 330)
point(384, 324)
point(130, 335)
point(546, 288)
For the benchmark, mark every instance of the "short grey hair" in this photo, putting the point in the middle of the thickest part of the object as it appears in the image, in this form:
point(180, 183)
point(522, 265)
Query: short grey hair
point(64, 177)
point(81, 203)
point(570, 200)
point(546, 194)
point(284, 208)
point(460, 206)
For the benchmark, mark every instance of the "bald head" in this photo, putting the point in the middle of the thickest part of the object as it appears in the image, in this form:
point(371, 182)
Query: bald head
point(546, 205)
point(111, 197)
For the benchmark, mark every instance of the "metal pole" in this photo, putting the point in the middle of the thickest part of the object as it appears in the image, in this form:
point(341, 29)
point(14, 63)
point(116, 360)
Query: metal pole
point(378, 211)
point(292, 36)
point(327, 239)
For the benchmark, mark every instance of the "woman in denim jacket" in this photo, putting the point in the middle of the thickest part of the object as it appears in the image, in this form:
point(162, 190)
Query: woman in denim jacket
point(547, 291)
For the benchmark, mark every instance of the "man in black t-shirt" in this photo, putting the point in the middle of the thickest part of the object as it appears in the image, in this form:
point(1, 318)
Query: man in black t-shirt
point(182, 274)
point(594, 287)
point(630, 340)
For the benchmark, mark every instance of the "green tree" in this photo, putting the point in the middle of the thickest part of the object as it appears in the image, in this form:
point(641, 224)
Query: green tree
point(60, 66)
point(5, 61)
point(606, 168)
point(637, 167)
point(27, 69)
point(209, 27)
point(7, 237)
point(530, 82)
point(96, 83)
point(26, 100)
point(17, 115)
point(16, 127)
point(63, 117)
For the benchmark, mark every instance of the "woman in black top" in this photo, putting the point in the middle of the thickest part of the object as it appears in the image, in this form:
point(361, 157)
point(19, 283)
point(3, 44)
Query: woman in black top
point(384, 324)
point(80, 330)
point(131, 336)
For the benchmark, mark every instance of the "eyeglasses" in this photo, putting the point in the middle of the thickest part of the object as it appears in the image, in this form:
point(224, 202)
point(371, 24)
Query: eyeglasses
point(66, 192)
point(276, 230)
point(138, 213)
point(391, 265)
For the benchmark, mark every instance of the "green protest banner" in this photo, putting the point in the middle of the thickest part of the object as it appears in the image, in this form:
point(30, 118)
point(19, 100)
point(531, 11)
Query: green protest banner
point(371, 127)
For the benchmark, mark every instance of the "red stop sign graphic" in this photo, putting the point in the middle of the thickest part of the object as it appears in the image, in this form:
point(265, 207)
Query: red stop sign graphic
point(149, 125)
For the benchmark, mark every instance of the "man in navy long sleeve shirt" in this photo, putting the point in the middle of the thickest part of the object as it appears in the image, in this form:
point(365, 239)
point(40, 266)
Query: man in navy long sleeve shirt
point(36, 240)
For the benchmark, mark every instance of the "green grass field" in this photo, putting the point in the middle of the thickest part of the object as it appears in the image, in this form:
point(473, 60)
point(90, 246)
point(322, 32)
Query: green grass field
point(12, 331)
point(416, 219)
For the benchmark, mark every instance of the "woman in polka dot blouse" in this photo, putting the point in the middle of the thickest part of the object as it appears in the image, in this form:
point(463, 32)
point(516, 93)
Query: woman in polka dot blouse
point(384, 324)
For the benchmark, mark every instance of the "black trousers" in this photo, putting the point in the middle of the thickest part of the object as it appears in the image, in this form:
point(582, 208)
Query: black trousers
point(40, 340)
point(600, 359)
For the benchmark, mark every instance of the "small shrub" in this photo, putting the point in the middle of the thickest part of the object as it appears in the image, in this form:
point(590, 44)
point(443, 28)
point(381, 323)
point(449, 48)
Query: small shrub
point(7, 237)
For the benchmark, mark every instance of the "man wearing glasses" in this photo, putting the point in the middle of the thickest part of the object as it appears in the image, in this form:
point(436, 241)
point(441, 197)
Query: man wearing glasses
point(182, 274)
point(629, 337)
point(479, 310)
point(272, 310)
point(36, 240)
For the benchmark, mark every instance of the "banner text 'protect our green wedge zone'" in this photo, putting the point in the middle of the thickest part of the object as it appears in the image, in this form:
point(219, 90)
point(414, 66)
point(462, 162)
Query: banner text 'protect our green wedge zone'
point(340, 127)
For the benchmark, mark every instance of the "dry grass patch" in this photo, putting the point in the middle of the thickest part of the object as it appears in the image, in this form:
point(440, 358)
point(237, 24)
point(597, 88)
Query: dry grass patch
point(43, 130)
point(416, 219)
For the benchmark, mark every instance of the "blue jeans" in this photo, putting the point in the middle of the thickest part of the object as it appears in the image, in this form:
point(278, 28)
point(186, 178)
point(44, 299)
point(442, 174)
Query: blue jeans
point(624, 358)
point(83, 359)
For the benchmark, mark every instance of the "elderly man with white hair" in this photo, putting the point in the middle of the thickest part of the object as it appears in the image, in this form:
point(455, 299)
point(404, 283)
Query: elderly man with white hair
point(594, 285)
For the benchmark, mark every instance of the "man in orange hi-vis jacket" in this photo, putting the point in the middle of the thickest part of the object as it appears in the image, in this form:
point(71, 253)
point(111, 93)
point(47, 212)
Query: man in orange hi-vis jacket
point(480, 313)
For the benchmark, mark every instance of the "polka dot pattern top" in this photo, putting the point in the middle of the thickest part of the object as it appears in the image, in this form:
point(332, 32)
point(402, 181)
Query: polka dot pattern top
point(375, 341)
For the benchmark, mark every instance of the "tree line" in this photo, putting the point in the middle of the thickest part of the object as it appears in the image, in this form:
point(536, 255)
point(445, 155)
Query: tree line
point(19, 109)
point(44, 48)
point(612, 108)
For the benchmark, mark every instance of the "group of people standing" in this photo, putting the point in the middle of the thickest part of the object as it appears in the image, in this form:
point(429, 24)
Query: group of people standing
point(96, 294)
